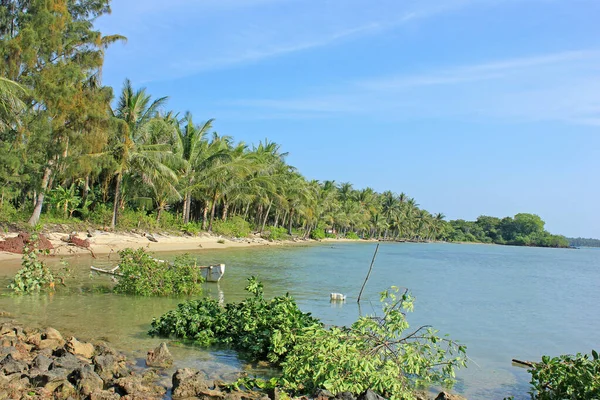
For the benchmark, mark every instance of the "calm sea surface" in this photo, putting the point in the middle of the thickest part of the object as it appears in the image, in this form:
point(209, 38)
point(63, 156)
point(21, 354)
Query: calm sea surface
point(502, 302)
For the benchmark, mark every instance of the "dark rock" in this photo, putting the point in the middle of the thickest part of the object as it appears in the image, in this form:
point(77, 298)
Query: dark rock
point(85, 380)
point(160, 357)
point(345, 396)
point(67, 361)
point(370, 395)
point(448, 396)
point(109, 366)
point(188, 382)
point(41, 362)
point(10, 366)
point(323, 394)
point(43, 378)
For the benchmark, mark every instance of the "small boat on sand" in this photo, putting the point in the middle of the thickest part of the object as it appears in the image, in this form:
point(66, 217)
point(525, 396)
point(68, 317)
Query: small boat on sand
point(210, 273)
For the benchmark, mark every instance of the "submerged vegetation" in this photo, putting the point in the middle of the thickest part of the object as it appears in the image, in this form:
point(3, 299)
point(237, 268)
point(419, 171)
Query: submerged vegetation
point(374, 353)
point(69, 155)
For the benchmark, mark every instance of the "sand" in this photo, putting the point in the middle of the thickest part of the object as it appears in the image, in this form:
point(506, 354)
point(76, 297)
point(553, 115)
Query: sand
point(108, 242)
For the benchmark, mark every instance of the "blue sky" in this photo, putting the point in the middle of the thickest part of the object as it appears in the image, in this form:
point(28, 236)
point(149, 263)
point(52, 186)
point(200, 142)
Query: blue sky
point(470, 106)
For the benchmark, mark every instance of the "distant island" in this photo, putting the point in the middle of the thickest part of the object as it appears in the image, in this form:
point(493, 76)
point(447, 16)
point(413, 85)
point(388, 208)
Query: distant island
point(581, 242)
point(522, 230)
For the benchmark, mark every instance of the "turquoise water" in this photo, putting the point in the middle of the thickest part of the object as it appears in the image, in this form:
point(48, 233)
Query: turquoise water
point(502, 302)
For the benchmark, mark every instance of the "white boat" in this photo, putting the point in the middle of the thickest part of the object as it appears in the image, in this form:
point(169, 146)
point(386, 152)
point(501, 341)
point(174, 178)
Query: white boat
point(210, 273)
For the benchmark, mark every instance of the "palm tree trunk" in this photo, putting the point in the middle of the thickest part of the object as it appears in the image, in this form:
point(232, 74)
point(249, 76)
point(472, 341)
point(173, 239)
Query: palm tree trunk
point(37, 210)
point(225, 209)
point(212, 212)
point(113, 222)
point(246, 212)
point(262, 228)
point(186, 208)
point(290, 222)
point(204, 215)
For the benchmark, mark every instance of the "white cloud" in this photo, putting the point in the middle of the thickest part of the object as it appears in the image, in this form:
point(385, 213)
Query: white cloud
point(562, 86)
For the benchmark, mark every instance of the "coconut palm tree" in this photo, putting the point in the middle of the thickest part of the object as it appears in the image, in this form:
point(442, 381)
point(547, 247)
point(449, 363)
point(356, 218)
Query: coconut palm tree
point(138, 144)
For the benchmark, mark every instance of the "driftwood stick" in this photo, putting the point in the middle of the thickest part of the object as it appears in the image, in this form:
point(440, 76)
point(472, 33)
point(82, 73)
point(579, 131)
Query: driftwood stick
point(525, 363)
point(368, 274)
point(106, 271)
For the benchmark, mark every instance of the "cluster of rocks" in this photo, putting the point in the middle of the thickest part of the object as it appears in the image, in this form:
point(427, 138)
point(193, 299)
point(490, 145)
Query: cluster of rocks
point(42, 364)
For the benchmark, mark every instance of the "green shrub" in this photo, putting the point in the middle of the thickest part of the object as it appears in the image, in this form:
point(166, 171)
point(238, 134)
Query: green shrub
point(34, 275)
point(261, 329)
point(130, 219)
point(168, 221)
point(317, 234)
point(191, 228)
point(233, 227)
point(352, 235)
point(278, 233)
point(567, 377)
point(8, 213)
point(375, 352)
point(143, 275)
point(102, 214)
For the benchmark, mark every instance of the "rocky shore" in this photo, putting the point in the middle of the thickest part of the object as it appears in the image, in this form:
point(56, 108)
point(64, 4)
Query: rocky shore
point(42, 364)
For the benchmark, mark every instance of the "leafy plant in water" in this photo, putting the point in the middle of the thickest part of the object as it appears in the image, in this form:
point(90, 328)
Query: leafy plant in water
point(143, 275)
point(250, 326)
point(376, 353)
point(34, 275)
point(567, 377)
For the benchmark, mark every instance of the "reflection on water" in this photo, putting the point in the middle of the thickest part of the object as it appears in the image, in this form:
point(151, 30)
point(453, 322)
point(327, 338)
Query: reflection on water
point(502, 302)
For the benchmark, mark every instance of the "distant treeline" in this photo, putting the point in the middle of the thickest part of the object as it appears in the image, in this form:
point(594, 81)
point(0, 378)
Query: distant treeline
point(582, 242)
point(522, 230)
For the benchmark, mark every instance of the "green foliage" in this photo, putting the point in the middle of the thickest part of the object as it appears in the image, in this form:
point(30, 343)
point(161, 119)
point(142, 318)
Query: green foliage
point(317, 234)
point(143, 275)
point(277, 233)
point(130, 219)
point(190, 228)
point(375, 352)
point(567, 377)
point(34, 275)
point(65, 199)
point(8, 213)
point(101, 214)
point(352, 235)
point(233, 227)
point(260, 329)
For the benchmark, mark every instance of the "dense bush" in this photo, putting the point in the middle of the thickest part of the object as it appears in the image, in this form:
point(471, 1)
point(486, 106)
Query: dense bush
point(261, 329)
point(233, 227)
point(317, 234)
point(277, 233)
point(8, 213)
point(567, 377)
point(143, 275)
point(352, 235)
point(375, 352)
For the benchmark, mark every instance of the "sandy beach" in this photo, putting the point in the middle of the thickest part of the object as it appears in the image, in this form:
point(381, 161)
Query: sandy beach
point(109, 242)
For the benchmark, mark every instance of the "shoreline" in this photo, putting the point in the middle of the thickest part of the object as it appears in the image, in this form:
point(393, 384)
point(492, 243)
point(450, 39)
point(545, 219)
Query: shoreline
point(102, 243)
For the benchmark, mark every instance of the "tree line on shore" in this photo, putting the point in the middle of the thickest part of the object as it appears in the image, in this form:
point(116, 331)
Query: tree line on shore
point(69, 153)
